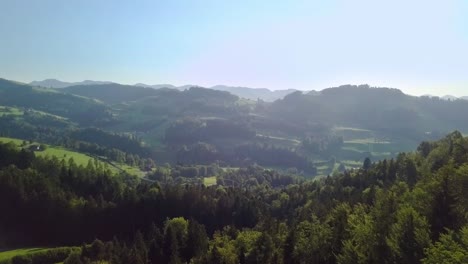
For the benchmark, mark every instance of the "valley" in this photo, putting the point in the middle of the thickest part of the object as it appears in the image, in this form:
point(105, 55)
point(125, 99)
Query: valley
point(189, 127)
point(205, 176)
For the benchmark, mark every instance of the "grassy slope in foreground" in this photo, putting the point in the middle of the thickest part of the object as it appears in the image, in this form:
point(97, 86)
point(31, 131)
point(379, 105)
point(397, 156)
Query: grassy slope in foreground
point(79, 158)
point(58, 253)
point(60, 153)
point(5, 255)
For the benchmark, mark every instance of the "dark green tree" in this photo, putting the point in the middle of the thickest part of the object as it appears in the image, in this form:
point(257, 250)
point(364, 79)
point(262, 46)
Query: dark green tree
point(197, 240)
point(73, 258)
point(367, 164)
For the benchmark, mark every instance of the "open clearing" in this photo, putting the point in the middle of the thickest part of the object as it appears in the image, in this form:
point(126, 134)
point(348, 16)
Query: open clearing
point(14, 111)
point(208, 181)
point(79, 158)
point(60, 153)
point(8, 254)
point(293, 142)
point(351, 129)
point(4, 110)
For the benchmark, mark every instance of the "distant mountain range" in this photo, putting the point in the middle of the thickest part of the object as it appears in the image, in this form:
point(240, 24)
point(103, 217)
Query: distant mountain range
point(255, 93)
point(448, 97)
point(383, 112)
point(244, 92)
point(54, 83)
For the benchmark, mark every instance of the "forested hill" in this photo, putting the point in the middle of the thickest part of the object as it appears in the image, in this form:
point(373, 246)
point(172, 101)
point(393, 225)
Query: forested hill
point(54, 83)
point(85, 111)
point(381, 109)
point(243, 92)
point(387, 111)
point(255, 93)
point(313, 133)
point(409, 210)
point(111, 93)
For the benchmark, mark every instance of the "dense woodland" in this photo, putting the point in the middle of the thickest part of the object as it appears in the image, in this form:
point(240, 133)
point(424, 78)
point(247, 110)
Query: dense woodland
point(411, 209)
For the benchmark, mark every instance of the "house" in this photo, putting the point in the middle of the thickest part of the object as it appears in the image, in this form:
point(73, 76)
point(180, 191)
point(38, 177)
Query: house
point(35, 147)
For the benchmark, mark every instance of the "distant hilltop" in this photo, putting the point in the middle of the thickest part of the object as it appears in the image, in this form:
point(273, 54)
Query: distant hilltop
point(54, 83)
point(448, 97)
point(244, 92)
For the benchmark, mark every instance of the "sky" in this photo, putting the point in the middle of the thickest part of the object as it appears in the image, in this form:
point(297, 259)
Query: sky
point(418, 46)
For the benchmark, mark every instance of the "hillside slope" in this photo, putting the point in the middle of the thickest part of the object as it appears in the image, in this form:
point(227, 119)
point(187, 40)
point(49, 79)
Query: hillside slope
point(386, 110)
point(80, 109)
point(111, 93)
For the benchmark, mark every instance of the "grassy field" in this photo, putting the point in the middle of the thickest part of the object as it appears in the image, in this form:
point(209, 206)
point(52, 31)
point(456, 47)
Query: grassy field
point(383, 147)
point(323, 170)
point(38, 254)
point(356, 149)
point(351, 133)
point(48, 114)
point(352, 163)
point(79, 158)
point(8, 254)
point(132, 170)
point(367, 141)
point(10, 111)
point(361, 143)
point(278, 140)
point(60, 153)
point(208, 181)
point(352, 129)
point(15, 141)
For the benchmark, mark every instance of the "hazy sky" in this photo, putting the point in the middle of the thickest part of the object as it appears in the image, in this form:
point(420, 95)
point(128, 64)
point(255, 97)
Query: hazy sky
point(419, 46)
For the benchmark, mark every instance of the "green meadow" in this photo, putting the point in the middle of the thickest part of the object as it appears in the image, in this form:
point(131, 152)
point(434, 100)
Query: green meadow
point(8, 254)
point(60, 153)
point(208, 181)
point(79, 158)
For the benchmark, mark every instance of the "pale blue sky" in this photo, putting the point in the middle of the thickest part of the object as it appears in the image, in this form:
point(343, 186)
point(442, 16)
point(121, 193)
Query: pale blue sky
point(419, 46)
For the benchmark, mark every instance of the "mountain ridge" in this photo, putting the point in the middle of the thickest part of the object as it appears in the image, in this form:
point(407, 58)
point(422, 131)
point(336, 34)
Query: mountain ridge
point(229, 128)
point(54, 83)
point(241, 91)
point(245, 92)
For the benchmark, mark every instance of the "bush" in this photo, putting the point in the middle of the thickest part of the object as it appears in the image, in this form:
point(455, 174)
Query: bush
point(52, 256)
point(73, 258)
point(26, 259)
